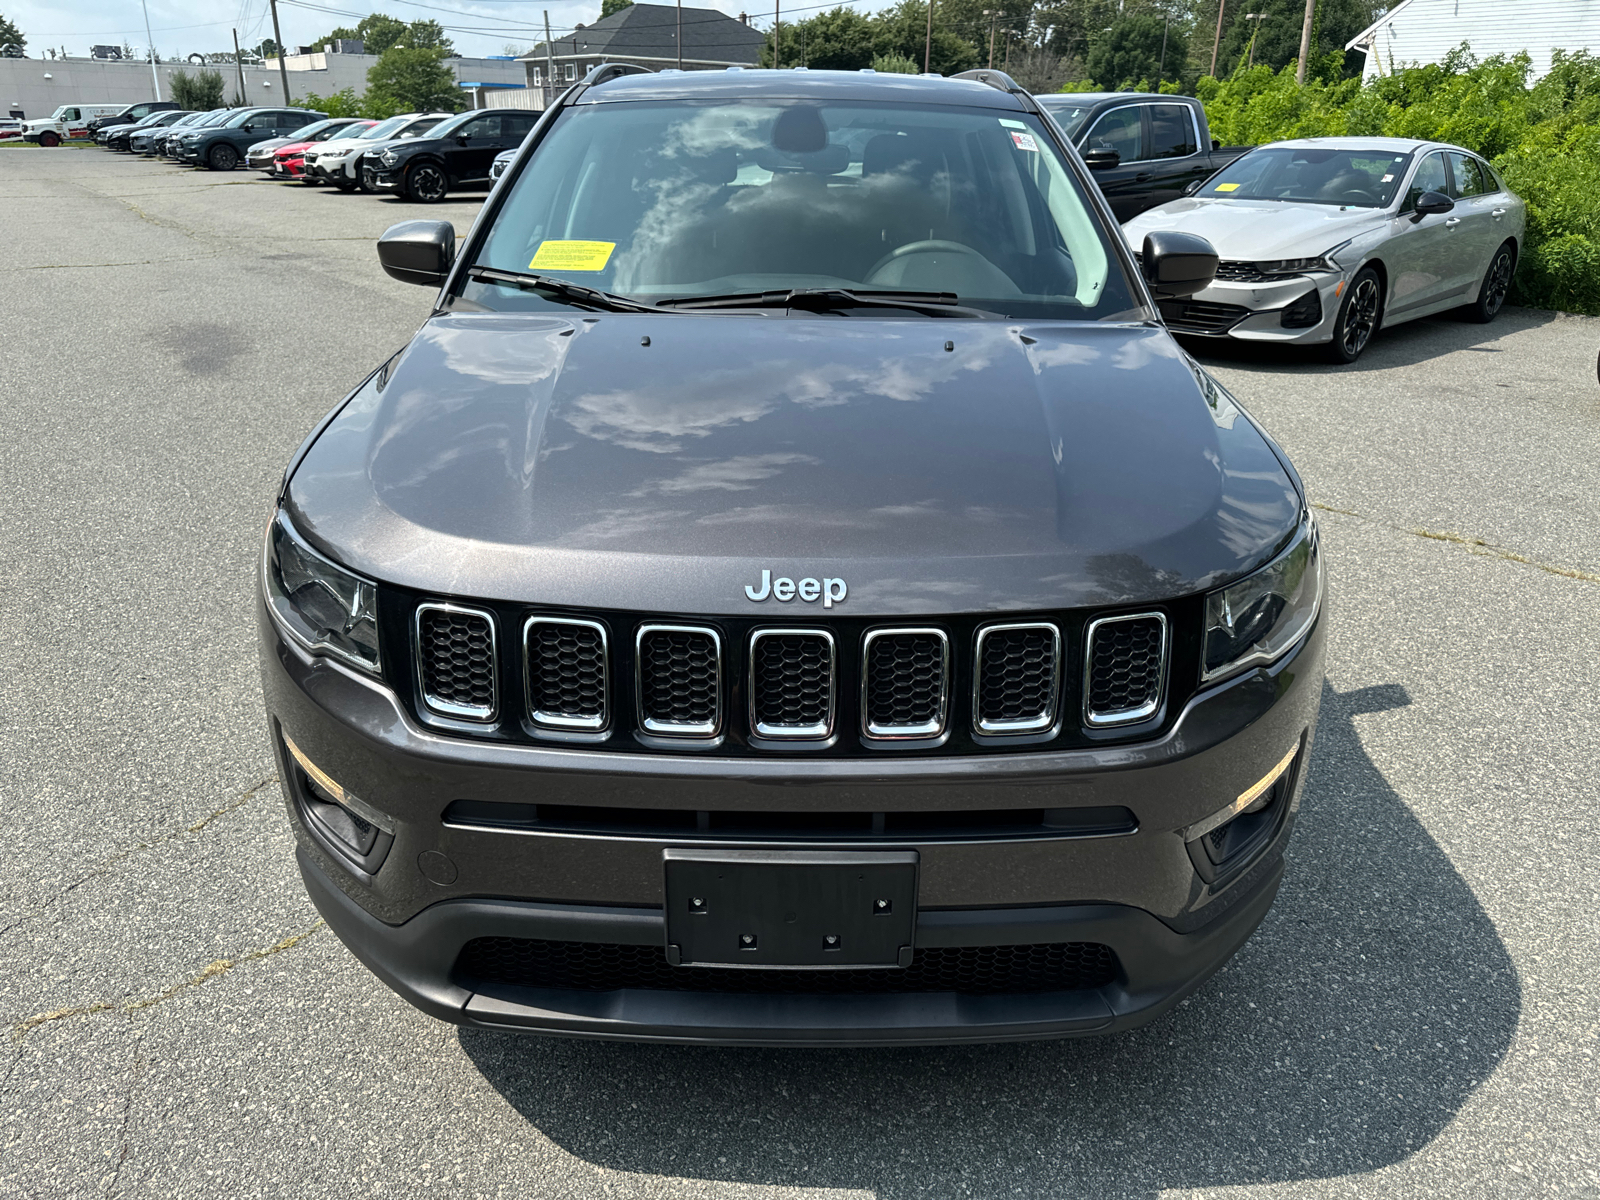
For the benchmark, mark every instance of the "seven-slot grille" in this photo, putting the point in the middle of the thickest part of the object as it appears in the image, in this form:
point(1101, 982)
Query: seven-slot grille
point(567, 673)
point(1125, 660)
point(456, 661)
point(680, 680)
point(792, 679)
point(792, 676)
point(905, 683)
point(1017, 677)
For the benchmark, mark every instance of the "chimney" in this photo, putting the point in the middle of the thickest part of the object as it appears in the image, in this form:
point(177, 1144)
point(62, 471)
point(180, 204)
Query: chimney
point(744, 18)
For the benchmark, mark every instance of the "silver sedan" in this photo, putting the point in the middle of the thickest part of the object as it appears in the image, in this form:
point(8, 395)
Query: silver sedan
point(1323, 241)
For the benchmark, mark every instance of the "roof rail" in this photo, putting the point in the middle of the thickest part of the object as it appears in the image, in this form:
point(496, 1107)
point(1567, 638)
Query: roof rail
point(606, 72)
point(995, 79)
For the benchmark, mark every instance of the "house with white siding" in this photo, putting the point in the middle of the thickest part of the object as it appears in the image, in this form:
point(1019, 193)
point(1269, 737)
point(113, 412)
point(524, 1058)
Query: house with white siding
point(1424, 31)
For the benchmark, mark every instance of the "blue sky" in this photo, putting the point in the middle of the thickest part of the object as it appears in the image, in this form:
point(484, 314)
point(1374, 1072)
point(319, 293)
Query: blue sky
point(182, 27)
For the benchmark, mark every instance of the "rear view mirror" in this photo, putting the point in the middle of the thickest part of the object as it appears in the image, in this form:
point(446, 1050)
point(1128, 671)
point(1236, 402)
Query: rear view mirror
point(1431, 204)
point(1101, 159)
point(418, 251)
point(1177, 264)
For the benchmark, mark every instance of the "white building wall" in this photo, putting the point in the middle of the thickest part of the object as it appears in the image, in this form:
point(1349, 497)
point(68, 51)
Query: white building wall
point(1424, 31)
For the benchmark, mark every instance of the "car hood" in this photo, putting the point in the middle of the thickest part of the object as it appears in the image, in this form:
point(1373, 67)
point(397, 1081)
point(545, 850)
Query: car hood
point(340, 145)
point(293, 147)
point(534, 457)
point(1257, 230)
point(269, 144)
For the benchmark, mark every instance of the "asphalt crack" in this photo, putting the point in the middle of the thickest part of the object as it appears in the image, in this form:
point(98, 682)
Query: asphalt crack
point(211, 971)
point(1473, 545)
point(134, 1072)
point(233, 805)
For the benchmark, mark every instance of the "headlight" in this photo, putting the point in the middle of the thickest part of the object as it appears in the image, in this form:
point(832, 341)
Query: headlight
point(325, 607)
point(1296, 266)
point(1257, 619)
point(389, 158)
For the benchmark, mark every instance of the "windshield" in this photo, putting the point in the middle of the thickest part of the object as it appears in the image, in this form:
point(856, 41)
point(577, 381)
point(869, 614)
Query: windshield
point(450, 124)
point(217, 117)
point(1312, 175)
point(384, 128)
point(685, 199)
point(424, 127)
point(245, 118)
point(1069, 116)
point(316, 127)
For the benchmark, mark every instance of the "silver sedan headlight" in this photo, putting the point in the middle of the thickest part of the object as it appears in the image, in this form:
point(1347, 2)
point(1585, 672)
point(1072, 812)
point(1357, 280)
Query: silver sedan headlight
point(1256, 620)
point(326, 608)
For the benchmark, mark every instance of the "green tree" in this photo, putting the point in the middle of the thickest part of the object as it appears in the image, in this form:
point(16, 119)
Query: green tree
point(380, 32)
point(201, 91)
point(903, 30)
point(267, 49)
point(343, 103)
point(426, 35)
point(1278, 41)
point(1132, 49)
point(894, 64)
point(838, 40)
point(412, 80)
point(10, 35)
point(607, 7)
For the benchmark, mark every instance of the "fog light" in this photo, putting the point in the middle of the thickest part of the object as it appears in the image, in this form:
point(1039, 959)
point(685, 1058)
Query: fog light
point(1304, 312)
point(1254, 798)
point(344, 824)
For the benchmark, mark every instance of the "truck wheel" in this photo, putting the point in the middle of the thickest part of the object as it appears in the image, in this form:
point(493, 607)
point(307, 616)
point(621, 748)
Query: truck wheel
point(222, 158)
point(49, 138)
point(1496, 283)
point(426, 183)
point(1359, 317)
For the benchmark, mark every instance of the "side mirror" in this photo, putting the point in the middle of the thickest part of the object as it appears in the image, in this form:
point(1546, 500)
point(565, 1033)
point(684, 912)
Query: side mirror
point(1216, 143)
point(418, 251)
point(1101, 159)
point(1431, 204)
point(462, 139)
point(1177, 264)
point(1192, 186)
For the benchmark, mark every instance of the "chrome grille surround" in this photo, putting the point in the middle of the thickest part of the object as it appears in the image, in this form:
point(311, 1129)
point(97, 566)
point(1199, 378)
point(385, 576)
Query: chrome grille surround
point(814, 731)
point(1035, 722)
point(432, 702)
point(566, 721)
point(1141, 712)
point(925, 729)
point(702, 729)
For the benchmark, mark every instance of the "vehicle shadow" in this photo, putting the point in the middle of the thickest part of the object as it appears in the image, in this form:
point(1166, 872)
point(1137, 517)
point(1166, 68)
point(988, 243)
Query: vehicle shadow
point(1343, 1038)
point(1402, 346)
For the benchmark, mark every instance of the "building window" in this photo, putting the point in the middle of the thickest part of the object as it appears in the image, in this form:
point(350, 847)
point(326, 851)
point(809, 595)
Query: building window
point(538, 77)
point(572, 72)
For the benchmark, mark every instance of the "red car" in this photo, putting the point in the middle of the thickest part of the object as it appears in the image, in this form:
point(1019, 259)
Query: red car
point(289, 162)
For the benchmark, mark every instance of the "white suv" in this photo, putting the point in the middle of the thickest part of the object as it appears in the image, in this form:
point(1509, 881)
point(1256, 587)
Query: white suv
point(337, 161)
point(67, 122)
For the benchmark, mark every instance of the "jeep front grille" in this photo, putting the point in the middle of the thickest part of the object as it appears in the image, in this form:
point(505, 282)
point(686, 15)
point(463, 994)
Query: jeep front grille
point(568, 678)
point(456, 668)
point(905, 683)
point(792, 675)
point(1124, 664)
point(680, 680)
point(1017, 677)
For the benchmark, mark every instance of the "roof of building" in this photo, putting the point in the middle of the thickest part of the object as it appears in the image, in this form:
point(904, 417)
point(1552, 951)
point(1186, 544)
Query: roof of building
point(651, 31)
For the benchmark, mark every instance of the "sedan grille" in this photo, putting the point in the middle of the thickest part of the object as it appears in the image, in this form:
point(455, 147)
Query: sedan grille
point(1199, 316)
point(968, 970)
point(1242, 272)
point(456, 661)
point(792, 683)
point(1018, 673)
point(905, 683)
point(680, 680)
point(567, 676)
point(1125, 662)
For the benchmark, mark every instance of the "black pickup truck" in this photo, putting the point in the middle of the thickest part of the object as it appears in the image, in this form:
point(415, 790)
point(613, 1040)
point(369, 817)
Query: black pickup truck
point(1144, 149)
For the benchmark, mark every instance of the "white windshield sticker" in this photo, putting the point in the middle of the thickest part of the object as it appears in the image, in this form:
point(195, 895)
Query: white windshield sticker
point(1012, 124)
point(1024, 141)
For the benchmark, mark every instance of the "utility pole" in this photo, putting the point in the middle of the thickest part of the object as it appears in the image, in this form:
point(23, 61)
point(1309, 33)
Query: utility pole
point(549, 64)
point(1161, 71)
point(154, 78)
point(1305, 41)
point(927, 48)
point(283, 68)
point(680, 35)
point(777, 28)
point(1217, 43)
point(991, 13)
point(1257, 18)
point(238, 62)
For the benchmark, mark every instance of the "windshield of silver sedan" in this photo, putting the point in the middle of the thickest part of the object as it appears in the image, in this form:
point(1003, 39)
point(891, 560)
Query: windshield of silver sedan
point(1311, 175)
point(672, 202)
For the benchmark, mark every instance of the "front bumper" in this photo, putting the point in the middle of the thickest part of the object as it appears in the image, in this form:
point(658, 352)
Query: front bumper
point(380, 178)
point(1254, 312)
point(260, 162)
point(288, 168)
point(330, 172)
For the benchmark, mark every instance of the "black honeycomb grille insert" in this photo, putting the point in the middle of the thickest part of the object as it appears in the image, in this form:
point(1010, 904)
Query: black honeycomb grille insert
point(566, 665)
point(906, 681)
point(679, 679)
point(1125, 668)
point(791, 684)
point(456, 662)
point(1017, 677)
point(971, 970)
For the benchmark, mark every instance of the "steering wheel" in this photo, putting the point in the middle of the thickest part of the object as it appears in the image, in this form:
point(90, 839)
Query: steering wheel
point(934, 246)
point(1360, 195)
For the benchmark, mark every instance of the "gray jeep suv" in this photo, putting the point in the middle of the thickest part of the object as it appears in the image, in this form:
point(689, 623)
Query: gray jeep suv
point(792, 589)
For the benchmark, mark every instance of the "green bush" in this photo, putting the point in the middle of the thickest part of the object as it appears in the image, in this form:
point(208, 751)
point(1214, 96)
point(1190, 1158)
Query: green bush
point(1544, 140)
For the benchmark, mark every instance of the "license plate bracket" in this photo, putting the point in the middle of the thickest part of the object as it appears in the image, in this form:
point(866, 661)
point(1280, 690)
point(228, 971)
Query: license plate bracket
point(790, 909)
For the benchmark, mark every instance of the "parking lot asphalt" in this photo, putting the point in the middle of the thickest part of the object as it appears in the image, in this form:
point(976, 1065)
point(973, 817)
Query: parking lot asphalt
point(1417, 1016)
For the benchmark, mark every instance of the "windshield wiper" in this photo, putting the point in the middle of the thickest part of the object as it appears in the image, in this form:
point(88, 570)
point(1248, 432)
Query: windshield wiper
point(933, 304)
point(560, 289)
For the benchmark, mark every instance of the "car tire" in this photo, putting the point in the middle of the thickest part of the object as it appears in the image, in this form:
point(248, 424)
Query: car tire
point(1360, 317)
point(222, 157)
point(1496, 284)
point(426, 183)
point(49, 138)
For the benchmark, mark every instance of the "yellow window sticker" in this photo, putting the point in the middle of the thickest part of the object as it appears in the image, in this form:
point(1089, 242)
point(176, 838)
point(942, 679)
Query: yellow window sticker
point(1227, 187)
point(572, 256)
